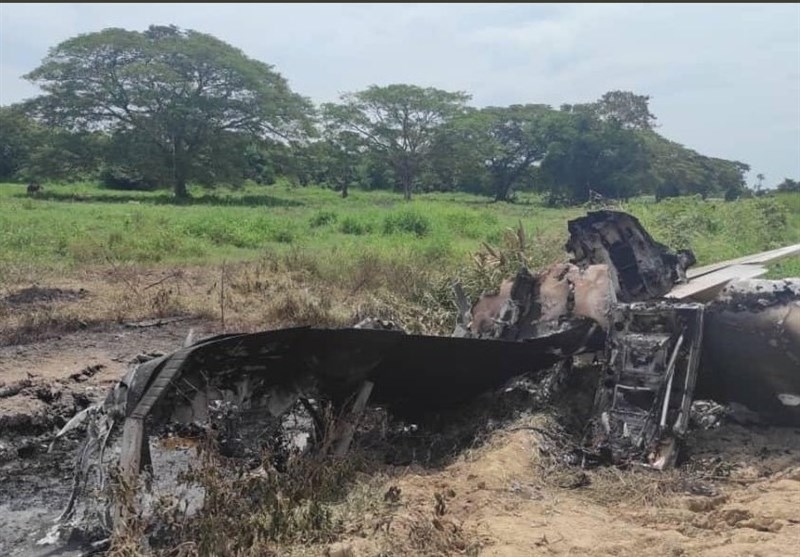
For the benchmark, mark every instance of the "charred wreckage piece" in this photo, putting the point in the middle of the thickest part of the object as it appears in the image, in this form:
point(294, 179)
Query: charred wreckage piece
point(609, 300)
point(643, 402)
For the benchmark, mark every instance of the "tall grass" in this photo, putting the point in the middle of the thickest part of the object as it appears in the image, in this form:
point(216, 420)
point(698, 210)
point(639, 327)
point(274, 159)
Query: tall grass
point(72, 226)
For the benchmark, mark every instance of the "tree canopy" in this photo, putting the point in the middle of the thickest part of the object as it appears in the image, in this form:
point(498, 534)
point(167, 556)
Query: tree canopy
point(169, 107)
point(398, 122)
point(172, 98)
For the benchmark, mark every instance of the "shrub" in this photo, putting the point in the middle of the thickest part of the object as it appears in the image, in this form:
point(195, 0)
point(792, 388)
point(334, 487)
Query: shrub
point(116, 177)
point(322, 218)
point(408, 221)
point(351, 225)
point(284, 236)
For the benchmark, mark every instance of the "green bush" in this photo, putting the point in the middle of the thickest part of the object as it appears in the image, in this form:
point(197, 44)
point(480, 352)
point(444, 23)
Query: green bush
point(408, 221)
point(322, 218)
point(284, 236)
point(116, 177)
point(351, 225)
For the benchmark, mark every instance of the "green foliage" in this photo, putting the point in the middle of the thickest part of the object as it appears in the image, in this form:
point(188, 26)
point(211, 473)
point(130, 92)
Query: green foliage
point(397, 122)
point(118, 177)
point(408, 221)
point(675, 170)
point(587, 155)
point(355, 226)
point(18, 137)
point(789, 186)
point(716, 230)
point(79, 224)
point(170, 107)
point(506, 141)
point(623, 108)
point(322, 218)
point(184, 96)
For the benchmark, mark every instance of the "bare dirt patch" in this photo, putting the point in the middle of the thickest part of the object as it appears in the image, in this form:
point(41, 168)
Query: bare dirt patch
point(495, 502)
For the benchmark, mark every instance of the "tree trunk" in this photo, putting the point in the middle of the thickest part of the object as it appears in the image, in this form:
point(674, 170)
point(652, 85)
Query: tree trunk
point(406, 178)
point(180, 188)
point(407, 182)
point(502, 186)
point(407, 190)
point(344, 189)
point(179, 175)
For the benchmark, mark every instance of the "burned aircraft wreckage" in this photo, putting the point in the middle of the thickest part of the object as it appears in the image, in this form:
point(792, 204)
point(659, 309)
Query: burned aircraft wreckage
point(665, 334)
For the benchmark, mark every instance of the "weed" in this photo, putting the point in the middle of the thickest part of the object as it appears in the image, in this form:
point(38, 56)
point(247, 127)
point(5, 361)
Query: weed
point(322, 218)
point(408, 221)
point(354, 226)
point(284, 236)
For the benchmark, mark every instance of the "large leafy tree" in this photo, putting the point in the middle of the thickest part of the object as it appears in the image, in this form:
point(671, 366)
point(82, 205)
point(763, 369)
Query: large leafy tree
point(336, 158)
point(513, 139)
point(397, 122)
point(29, 151)
point(629, 110)
point(676, 170)
point(789, 185)
point(185, 99)
point(624, 108)
point(588, 155)
point(18, 137)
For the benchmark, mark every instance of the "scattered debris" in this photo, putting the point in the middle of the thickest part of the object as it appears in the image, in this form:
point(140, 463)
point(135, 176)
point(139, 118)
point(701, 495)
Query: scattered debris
point(15, 388)
point(707, 414)
point(157, 322)
point(534, 306)
point(86, 373)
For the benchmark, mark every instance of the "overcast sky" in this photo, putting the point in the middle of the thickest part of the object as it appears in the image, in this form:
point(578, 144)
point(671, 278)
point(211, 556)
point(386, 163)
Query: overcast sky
point(724, 79)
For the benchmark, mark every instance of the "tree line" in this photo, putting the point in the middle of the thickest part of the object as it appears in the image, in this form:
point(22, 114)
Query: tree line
point(167, 107)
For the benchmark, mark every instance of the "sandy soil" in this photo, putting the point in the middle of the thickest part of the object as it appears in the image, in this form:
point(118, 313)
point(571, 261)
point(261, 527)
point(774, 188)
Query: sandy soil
point(496, 499)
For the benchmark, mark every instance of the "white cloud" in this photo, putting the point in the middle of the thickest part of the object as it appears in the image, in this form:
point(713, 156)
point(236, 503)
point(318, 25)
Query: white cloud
point(725, 79)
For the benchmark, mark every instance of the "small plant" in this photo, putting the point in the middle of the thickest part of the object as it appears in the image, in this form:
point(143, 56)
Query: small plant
point(323, 218)
point(407, 221)
point(351, 225)
point(284, 236)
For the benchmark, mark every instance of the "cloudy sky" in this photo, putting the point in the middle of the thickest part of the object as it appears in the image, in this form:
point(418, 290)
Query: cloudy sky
point(724, 79)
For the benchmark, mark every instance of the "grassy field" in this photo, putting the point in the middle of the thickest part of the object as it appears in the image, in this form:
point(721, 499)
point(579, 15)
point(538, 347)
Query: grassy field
point(74, 225)
point(305, 255)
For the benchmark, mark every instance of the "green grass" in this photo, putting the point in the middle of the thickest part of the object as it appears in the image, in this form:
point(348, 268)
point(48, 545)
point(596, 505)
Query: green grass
point(80, 224)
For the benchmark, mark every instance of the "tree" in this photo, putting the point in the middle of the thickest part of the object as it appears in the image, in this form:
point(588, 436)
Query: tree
point(587, 154)
point(185, 97)
point(456, 161)
point(789, 185)
point(507, 141)
point(760, 177)
point(29, 151)
point(18, 137)
point(398, 122)
point(629, 110)
point(676, 170)
point(338, 157)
